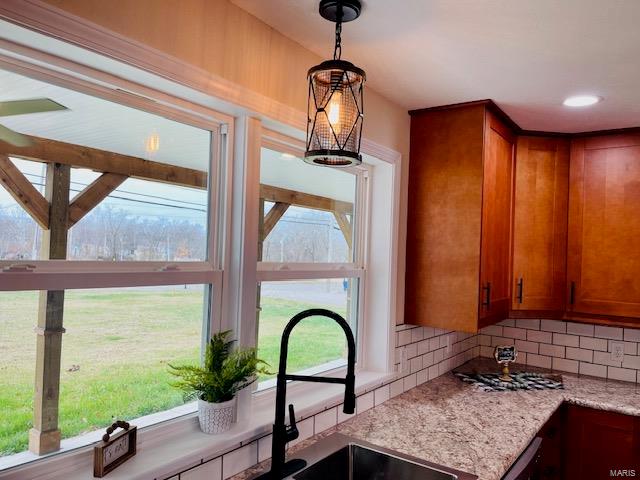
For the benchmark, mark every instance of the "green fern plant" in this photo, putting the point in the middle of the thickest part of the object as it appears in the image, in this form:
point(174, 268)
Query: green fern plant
point(225, 371)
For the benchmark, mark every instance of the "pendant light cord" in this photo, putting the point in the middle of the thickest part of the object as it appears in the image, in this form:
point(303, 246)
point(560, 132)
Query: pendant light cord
point(337, 51)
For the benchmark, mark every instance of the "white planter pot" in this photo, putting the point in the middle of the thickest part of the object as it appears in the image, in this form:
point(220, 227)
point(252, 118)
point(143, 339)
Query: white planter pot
point(216, 417)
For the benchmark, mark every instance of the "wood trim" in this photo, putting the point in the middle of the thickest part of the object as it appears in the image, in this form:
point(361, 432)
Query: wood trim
point(271, 218)
point(24, 192)
point(291, 197)
point(345, 227)
point(53, 151)
point(93, 194)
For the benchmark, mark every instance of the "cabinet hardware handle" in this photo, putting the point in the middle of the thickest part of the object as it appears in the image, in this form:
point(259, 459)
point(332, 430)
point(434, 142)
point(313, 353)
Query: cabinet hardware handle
point(487, 301)
point(520, 289)
point(572, 293)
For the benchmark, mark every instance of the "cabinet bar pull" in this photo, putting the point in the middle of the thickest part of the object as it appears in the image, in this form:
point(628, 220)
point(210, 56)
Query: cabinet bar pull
point(572, 293)
point(520, 289)
point(487, 301)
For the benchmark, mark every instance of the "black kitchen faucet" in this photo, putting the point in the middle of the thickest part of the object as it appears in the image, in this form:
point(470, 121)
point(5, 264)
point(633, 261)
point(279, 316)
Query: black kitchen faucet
point(283, 434)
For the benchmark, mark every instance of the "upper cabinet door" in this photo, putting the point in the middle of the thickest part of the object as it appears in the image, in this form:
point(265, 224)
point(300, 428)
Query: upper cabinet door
point(495, 256)
point(540, 224)
point(604, 226)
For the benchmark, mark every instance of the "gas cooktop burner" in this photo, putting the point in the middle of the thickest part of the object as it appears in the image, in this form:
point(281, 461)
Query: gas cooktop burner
point(490, 382)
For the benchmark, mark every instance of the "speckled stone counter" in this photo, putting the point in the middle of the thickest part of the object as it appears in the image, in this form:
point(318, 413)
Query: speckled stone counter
point(448, 422)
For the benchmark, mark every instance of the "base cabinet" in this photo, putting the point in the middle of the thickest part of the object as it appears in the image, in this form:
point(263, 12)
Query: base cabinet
point(601, 444)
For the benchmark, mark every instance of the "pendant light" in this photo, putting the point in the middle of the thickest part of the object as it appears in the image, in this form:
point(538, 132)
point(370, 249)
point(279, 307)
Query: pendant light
point(335, 113)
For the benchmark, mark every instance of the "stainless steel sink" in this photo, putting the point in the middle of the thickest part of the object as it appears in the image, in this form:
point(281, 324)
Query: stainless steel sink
point(362, 463)
point(339, 457)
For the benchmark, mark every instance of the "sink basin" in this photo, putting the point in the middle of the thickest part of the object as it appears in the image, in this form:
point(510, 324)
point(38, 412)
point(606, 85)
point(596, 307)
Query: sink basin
point(358, 462)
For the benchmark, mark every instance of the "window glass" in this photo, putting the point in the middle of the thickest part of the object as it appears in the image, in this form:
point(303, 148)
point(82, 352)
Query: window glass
point(18, 316)
point(317, 342)
point(116, 349)
point(158, 213)
point(307, 211)
point(20, 235)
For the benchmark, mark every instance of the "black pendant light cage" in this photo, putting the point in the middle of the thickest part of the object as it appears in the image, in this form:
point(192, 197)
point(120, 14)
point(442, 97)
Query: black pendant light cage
point(335, 109)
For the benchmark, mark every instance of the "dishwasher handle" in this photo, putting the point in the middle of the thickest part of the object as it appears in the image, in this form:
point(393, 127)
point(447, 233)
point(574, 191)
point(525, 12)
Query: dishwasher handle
point(524, 467)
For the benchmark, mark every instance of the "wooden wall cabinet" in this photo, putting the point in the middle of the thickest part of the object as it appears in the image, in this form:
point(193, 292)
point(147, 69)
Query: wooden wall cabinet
point(603, 268)
point(540, 226)
point(459, 218)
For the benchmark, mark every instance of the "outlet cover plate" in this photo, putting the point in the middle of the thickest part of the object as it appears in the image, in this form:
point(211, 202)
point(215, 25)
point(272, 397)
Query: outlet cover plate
point(617, 351)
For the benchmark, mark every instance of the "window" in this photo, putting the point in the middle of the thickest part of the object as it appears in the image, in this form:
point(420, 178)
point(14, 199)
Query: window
point(308, 211)
point(310, 256)
point(126, 201)
point(120, 340)
point(318, 343)
point(17, 366)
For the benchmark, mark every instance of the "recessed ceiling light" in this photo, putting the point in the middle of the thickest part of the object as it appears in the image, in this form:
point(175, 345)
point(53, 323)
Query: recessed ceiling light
point(581, 100)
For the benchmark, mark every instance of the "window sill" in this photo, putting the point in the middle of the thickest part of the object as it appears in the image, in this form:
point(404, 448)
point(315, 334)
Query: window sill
point(173, 446)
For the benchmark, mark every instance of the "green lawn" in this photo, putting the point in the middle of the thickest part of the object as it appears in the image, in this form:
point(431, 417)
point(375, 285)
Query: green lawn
point(116, 349)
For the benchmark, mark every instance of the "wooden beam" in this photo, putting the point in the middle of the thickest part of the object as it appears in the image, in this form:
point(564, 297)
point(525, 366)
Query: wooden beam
point(292, 197)
point(53, 151)
point(271, 218)
point(24, 192)
point(44, 437)
point(345, 227)
point(92, 195)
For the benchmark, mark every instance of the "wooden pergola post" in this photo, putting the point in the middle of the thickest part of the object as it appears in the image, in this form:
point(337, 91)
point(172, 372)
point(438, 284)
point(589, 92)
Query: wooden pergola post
point(44, 437)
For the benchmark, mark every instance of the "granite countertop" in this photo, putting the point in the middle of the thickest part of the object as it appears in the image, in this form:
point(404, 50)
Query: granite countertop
point(451, 423)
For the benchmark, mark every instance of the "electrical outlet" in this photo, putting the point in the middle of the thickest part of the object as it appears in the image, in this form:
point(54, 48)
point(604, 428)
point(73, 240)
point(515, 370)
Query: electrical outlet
point(404, 361)
point(617, 351)
point(448, 346)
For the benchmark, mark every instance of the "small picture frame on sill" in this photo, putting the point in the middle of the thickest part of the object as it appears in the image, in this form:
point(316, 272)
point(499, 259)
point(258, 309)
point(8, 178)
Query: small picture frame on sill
point(114, 450)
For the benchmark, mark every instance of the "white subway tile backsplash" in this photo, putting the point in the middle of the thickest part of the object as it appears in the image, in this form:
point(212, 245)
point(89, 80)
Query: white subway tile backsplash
point(264, 448)
point(579, 354)
point(593, 370)
point(604, 358)
point(412, 350)
point(539, 336)
point(524, 346)
point(623, 374)
point(381, 395)
point(486, 351)
point(207, 471)
point(632, 334)
point(509, 322)
point(396, 388)
point(630, 348)
point(404, 337)
point(564, 365)
point(631, 361)
point(325, 420)
point(364, 402)
point(529, 323)
point(613, 333)
point(593, 343)
point(409, 382)
point(493, 330)
point(417, 334)
point(538, 360)
point(566, 340)
point(438, 355)
point(580, 329)
point(551, 350)
point(555, 326)
point(511, 332)
point(422, 376)
point(238, 460)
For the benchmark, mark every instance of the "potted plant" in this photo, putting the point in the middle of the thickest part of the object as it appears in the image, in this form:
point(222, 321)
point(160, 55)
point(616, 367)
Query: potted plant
point(226, 371)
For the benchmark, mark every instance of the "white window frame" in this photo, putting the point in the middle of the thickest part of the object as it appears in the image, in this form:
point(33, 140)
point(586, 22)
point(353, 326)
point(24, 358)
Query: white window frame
point(283, 271)
point(33, 275)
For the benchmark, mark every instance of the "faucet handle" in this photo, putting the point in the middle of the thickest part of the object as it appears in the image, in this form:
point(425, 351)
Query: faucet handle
point(292, 430)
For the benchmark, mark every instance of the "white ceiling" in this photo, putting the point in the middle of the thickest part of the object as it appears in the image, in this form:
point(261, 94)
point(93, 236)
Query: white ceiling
point(526, 55)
